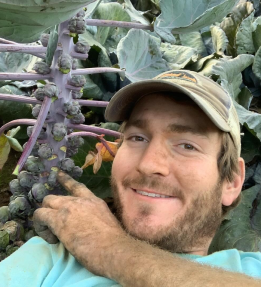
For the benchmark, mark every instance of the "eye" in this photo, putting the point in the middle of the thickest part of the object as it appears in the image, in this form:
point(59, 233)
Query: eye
point(136, 138)
point(188, 146)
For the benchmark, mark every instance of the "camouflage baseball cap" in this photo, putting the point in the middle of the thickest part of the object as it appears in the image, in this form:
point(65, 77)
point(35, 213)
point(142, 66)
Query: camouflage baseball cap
point(215, 102)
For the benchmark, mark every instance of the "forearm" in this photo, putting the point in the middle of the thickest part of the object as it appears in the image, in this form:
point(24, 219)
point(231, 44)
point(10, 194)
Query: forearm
point(136, 263)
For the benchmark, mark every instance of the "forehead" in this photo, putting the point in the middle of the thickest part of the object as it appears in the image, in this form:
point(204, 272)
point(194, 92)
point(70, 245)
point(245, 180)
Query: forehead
point(166, 109)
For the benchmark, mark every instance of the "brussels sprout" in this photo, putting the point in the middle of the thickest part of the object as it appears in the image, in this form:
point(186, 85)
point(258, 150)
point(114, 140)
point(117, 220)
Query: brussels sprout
point(74, 64)
point(65, 63)
point(52, 178)
point(49, 90)
point(41, 68)
point(77, 94)
point(76, 172)
point(78, 119)
point(77, 81)
point(44, 39)
point(20, 207)
point(42, 134)
point(34, 165)
point(36, 110)
point(4, 214)
point(37, 193)
point(72, 108)
point(27, 179)
point(59, 131)
point(77, 25)
point(71, 151)
point(82, 48)
point(16, 188)
point(14, 229)
point(45, 151)
point(67, 164)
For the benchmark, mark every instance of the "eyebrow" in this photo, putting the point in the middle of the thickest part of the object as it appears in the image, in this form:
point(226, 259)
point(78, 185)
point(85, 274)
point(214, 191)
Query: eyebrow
point(174, 127)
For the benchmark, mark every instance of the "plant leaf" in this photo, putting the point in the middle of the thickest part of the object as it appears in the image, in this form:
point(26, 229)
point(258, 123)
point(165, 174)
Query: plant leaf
point(141, 60)
point(257, 64)
point(136, 16)
point(219, 39)
point(244, 40)
point(194, 40)
point(14, 144)
point(229, 72)
point(109, 37)
point(52, 45)
point(232, 23)
point(189, 15)
point(177, 56)
point(24, 21)
point(4, 150)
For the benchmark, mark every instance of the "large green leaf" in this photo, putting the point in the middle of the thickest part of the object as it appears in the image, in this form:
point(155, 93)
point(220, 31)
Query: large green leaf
point(189, 15)
point(244, 40)
point(178, 57)
point(229, 72)
point(109, 37)
point(24, 21)
point(236, 231)
point(250, 146)
point(136, 16)
point(219, 39)
point(232, 23)
point(194, 40)
point(257, 64)
point(14, 62)
point(139, 54)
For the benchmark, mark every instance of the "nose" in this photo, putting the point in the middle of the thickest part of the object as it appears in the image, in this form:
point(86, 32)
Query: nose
point(154, 160)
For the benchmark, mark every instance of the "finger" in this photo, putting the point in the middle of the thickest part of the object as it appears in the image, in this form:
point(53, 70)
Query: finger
point(42, 224)
point(74, 187)
point(56, 201)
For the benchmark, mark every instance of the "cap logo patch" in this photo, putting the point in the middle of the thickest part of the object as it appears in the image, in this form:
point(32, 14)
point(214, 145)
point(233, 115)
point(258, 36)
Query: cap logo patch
point(178, 75)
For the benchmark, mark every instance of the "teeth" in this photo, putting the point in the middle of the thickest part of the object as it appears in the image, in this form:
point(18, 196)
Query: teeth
point(151, 194)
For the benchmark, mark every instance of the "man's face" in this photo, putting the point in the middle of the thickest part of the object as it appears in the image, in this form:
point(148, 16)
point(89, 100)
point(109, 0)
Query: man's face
point(165, 177)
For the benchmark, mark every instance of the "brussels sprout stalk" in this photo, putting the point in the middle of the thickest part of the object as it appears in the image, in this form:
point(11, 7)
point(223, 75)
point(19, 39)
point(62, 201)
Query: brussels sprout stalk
point(36, 131)
point(18, 98)
point(121, 24)
point(95, 130)
point(20, 48)
point(27, 122)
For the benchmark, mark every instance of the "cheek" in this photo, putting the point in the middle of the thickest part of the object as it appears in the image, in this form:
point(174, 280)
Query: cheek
point(197, 175)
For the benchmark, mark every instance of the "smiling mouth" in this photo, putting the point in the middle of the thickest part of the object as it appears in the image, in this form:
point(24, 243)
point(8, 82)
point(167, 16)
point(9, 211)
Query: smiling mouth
point(149, 194)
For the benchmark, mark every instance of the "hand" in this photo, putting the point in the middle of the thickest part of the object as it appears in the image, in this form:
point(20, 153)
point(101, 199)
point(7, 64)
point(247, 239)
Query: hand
point(82, 222)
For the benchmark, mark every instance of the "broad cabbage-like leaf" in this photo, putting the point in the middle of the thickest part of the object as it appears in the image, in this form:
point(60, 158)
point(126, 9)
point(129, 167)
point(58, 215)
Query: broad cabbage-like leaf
point(177, 56)
point(232, 23)
point(194, 40)
point(189, 15)
point(219, 39)
point(109, 37)
point(24, 21)
point(139, 54)
point(257, 64)
point(237, 230)
point(136, 16)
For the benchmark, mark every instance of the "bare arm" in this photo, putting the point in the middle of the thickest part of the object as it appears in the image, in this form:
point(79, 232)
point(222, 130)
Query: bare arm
point(92, 234)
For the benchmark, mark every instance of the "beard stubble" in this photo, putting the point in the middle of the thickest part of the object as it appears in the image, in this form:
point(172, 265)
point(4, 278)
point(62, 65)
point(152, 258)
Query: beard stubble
point(187, 232)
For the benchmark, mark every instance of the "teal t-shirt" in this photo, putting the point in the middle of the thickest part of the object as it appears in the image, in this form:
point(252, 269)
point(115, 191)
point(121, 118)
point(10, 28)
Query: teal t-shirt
point(38, 263)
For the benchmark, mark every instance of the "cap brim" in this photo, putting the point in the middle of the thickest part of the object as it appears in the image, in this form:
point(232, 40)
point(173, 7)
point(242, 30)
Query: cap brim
point(122, 103)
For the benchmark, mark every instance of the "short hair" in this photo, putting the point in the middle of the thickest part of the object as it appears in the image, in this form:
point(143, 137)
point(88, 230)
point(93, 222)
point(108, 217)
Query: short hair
point(227, 161)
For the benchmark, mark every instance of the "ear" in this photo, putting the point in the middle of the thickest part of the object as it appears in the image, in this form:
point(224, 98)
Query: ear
point(231, 190)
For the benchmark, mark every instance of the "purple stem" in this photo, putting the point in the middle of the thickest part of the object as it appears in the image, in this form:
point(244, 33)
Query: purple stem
point(23, 76)
point(73, 88)
point(36, 131)
point(21, 99)
point(21, 48)
point(88, 134)
point(34, 101)
point(14, 43)
point(110, 23)
point(90, 103)
point(88, 71)
point(28, 122)
point(79, 55)
point(94, 129)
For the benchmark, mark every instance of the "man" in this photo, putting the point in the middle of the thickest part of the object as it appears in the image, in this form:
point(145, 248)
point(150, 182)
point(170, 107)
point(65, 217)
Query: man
point(177, 172)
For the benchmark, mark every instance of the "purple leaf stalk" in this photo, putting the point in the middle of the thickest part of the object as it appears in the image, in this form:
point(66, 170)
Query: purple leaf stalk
point(56, 134)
